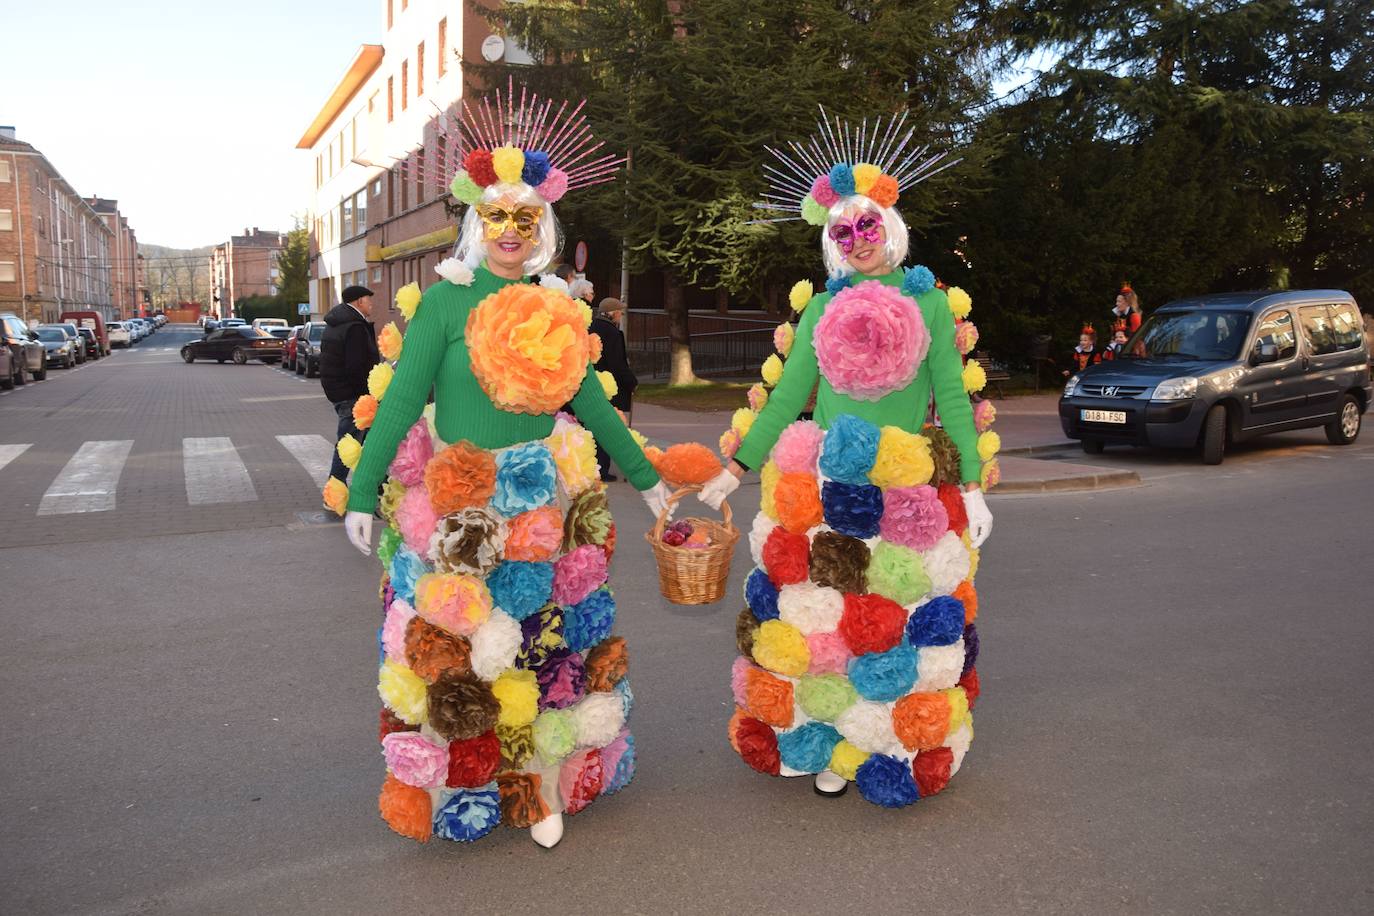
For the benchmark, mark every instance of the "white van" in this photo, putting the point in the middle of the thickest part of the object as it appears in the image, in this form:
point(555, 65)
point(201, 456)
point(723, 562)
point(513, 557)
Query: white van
point(265, 323)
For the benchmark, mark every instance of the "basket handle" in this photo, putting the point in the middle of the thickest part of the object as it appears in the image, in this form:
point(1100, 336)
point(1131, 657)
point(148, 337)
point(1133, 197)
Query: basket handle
point(662, 520)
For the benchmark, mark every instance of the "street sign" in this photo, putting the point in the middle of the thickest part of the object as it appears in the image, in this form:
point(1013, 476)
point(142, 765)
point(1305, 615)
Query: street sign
point(580, 257)
point(303, 308)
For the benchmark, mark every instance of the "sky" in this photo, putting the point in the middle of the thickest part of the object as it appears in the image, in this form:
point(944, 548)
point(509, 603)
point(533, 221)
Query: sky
point(186, 113)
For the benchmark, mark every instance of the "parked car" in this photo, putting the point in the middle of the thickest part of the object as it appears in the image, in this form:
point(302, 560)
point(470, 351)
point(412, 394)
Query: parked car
point(288, 359)
point(237, 343)
point(1213, 370)
point(145, 328)
point(308, 350)
point(59, 348)
point(93, 350)
point(78, 342)
point(92, 320)
point(30, 360)
point(120, 335)
point(269, 323)
point(232, 322)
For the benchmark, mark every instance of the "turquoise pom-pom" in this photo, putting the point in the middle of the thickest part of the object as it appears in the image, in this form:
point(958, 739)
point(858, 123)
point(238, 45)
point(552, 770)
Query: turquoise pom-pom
point(842, 179)
point(834, 284)
point(808, 748)
point(918, 280)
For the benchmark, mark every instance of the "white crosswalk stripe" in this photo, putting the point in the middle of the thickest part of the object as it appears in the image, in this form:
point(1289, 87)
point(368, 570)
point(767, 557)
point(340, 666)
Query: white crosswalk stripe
point(214, 472)
point(10, 452)
point(89, 481)
point(313, 452)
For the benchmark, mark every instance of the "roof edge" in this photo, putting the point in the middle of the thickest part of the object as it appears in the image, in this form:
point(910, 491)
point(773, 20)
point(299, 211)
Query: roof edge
point(363, 65)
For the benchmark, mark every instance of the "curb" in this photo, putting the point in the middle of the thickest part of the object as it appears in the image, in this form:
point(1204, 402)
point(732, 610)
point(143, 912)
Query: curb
point(1039, 449)
point(1108, 480)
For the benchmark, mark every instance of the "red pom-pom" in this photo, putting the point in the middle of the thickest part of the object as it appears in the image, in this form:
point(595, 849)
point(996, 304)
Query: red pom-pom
point(953, 502)
point(871, 623)
point(786, 557)
point(931, 768)
point(970, 684)
point(758, 745)
point(609, 546)
point(389, 722)
point(477, 163)
point(473, 762)
point(581, 780)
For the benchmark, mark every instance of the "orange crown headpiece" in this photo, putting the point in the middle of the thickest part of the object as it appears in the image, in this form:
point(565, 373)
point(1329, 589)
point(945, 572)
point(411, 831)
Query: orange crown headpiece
point(1088, 329)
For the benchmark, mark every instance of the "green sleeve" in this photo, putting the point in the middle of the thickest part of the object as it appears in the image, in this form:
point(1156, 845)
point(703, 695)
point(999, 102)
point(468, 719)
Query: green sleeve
point(791, 394)
point(426, 339)
point(947, 381)
point(595, 412)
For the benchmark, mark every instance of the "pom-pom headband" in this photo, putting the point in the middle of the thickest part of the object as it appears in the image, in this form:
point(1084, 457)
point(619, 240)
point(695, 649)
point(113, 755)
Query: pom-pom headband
point(840, 160)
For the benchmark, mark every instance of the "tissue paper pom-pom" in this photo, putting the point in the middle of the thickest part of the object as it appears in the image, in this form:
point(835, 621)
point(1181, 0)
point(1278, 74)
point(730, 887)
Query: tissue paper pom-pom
point(958, 707)
point(388, 722)
point(574, 453)
point(518, 694)
point(865, 174)
point(921, 720)
point(762, 527)
point(829, 654)
point(580, 780)
point(757, 744)
point(809, 747)
point(555, 735)
point(918, 280)
point(405, 809)
point(970, 649)
point(958, 743)
point(798, 502)
point(966, 594)
point(903, 460)
point(870, 341)
point(415, 518)
point(364, 411)
point(868, 726)
point(886, 781)
point(884, 676)
point(846, 759)
point(536, 168)
point(945, 454)
point(839, 562)
point(607, 664)
point(468, 541)
point(815, 214)
point(687, 464)
point(974, 377)
point(412, 455)
point(520, 588)
point(781, 648)
point(534, 535)
point(931, 769)
point(627, 696)
point(772, 370)
point(406, 568)
point(528, 348)
point(407, 301)
point(468, 814)
point(989, 443)
point(809, 607)
point(787, 557)
point(852, 509)
point(398, 616)
point(757, 396)
point(746, 625)
point(525, 479)
point(517, 746)
point(947, 564)
point(554, 186)
point(540, 636)
point(608, 383)
point(913, 517)
point(952, 498)
point(336, 496)
point(938, 667)
point(730, 442)
point(965, 337)
point(849, 449)
point(769, 476)
point(884, 192)
point(464, 189)
point(991, 475)
point(477, 163)
point(739, 679)
point(431, 652)
point(825, 696)
point(402, 691)
point(984, 415)
point(508, 163)
point(462, 706)
point(389, 342)
point(823, 193)
point(799, 296)
point(767, 698)
point(761, 595)
point(522, 806)
point(562, 680)
point(969, 681)
point(378, 379)
point(577, 573)
point(871, 623)
point(589, 621)
point(896, 572)
point(842, 179)
point(598, 719)
point(938, 622)
point(798, 448)
point(473, 762)
point(415, 760)
point(387, 543)
point(350, 450)
point(973, 556)
point(742, 420)
point(618, 760)
point(784, 335)
point(494, 645)
point(459, 477)
point(459, 604)
point(960, 302)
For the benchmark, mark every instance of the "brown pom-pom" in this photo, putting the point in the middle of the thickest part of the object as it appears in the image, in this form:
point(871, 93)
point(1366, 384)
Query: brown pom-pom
point(405, 809)
point(432, 652)
point(389, 722)
point(521, 805)
point(459, 477)
point(461, 706)
point(840, 562)
point(517, 745)
point(745, 626)
point(588, 520)
point(945, 454)
point(469, 541)
point(607, 664)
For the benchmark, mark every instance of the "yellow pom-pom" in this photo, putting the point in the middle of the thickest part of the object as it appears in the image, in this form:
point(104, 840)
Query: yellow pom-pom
point(783, 337)
point(846, 759)
point(336, 496)
point(350, 450)
point(958, 707)
point(781, 647)
point(974, 377)
point(403, 692)
point(392, 491)
point(640, 439)
point(507, 162)
point(864, 176)
point(772, 370)
point(800, 295)
point(989, 443)
point(518, 694)
point(960, 302)
point(408, 299)
point(903, 460)
point(768, 484)
point(991, 475)
point(389, 342)
point(378, 380)
point(974, 554)
point(608, 383)
point(742, 420)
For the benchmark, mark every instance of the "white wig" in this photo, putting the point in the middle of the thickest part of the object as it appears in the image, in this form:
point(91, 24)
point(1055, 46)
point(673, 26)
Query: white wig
point(895, 249)
point(548, 238)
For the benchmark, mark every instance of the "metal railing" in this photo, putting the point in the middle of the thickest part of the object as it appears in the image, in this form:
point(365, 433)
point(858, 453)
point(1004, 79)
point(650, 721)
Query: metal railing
point(720, 344)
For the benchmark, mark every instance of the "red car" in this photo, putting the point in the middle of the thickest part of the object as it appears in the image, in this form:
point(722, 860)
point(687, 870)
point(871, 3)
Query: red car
point(289, 354)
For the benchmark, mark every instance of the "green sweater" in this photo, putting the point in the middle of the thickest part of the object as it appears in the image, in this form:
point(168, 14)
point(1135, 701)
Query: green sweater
point(905, 409)
point(436, 354)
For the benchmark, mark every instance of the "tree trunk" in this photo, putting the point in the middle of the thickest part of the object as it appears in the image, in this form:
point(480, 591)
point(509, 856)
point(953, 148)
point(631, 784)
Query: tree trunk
point(679, 335)
point(722, 301)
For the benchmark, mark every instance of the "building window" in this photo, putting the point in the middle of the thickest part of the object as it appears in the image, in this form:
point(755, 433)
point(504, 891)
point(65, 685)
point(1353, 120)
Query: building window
point(41, 226)
point(419, 69)
point(4, 173)
point(360, 211)
point(6, 220)
point(405, 83)
point(377, 188)
point(443, 47)
point(346, 218)
point(420, 176)
point(376, 275)
point(7, 273)
point(405, 192)
point(440, 165)
point(390, 103)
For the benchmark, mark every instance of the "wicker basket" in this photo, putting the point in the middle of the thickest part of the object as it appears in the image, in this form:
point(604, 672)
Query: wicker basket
point(694, 575)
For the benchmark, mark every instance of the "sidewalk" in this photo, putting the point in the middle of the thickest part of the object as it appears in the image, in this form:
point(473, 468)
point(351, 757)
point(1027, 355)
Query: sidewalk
point(1028, 425)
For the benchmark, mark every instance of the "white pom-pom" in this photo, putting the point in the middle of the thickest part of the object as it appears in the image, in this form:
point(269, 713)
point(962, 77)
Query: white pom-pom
point(868, 726)
point(939, 667)
point(958, 743)
point(947, 564)
point(553, 281)
point(811, 608)
point(454, 271)
point(494, 645)
point(598, 719)
point(763, 526)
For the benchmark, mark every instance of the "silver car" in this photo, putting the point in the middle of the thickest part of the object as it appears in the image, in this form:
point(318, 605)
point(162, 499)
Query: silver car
point(29, 358)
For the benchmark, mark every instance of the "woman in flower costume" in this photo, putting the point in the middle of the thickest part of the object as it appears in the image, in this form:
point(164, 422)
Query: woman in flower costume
point(857, 644)
point(504, 692)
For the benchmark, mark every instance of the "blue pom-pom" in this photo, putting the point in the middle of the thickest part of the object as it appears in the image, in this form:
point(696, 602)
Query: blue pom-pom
point(834, 285)
point(938, 622)
point(526, 478)
point(849, 449)
point(520, 588)
point(855, 510)
point(887, 781)
point(469, 814)
point(406, 569)
point(808, 748)
point(761, 596)
point(970, 648)
point(589, 621)
point(624, 769)
point(884, 676)
point(842, 179)
point(627, 696)
point(536, 167)
point(918, 280)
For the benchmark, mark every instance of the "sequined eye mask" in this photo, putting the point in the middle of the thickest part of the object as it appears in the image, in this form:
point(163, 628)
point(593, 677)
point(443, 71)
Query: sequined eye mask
point(846, 233)
point(496, 219)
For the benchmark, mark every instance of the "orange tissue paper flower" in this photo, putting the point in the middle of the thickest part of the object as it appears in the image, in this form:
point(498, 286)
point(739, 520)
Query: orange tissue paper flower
point(364, 411)
point(460, 477)
point(798, 502)
point(336, 495)
point(770, 698)
point(966, 594)
point(884, 191)
point(529, 348)
point(406, 809)
point(535, 535)
point(389, 342)
point(921, 720)
point(685, 464)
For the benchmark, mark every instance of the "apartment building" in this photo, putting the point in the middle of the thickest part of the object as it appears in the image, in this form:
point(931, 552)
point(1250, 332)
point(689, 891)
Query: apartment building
point(128, 282)
point(245, 265)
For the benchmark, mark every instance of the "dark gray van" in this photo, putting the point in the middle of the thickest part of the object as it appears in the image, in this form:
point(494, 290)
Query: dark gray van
point(1211, 370)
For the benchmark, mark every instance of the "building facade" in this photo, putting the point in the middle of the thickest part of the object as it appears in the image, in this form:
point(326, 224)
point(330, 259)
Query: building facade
point(128, 282)
point(246, 265)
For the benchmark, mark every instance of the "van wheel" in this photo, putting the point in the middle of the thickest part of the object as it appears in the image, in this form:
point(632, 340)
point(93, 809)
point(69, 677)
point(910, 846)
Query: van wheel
point(1214, 435)
point(1092, 446)
point(1345, 429)
point(240, 358)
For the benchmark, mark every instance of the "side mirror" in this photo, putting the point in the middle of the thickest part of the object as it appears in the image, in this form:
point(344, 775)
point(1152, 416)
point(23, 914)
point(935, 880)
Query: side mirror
point(1264, 353)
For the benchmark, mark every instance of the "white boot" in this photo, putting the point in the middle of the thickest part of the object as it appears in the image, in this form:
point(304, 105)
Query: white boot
point(549, 831)
point(831, 784)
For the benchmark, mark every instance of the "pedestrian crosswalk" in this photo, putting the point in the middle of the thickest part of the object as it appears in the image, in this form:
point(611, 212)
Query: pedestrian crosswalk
point(89, 480)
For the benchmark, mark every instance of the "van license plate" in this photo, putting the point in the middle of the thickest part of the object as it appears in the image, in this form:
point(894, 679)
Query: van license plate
point(1103, 416)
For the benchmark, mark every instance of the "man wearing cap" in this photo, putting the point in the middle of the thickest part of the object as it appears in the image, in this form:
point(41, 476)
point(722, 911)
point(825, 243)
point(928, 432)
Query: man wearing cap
point(606, 325)
point(348, 351)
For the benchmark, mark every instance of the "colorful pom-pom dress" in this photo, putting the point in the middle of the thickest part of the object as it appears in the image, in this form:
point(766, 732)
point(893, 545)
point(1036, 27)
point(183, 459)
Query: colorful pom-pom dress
point(857, 644)
point(504, 691)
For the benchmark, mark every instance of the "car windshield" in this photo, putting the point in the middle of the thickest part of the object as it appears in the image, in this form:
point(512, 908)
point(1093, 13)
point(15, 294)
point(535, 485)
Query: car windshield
point(246, 331)
point(56, 334)
point(283, 333)
point(1199, 334)
point(317, 332)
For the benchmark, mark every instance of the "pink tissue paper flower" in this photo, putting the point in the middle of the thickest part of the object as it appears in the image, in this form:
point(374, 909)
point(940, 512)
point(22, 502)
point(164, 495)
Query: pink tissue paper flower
point(913, 517)
point(983, 415)
point(798, 448)
point(416, 518)
point(829, 654)
point(577, 574)
point(870, 341)
point(415, 760)
point(822, 192)
point(554, 186)
point(412, 455)
point(394, 630)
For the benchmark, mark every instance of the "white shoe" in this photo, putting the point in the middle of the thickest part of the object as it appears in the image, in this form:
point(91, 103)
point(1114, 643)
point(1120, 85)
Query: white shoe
point(831, 784)
point(549, 831)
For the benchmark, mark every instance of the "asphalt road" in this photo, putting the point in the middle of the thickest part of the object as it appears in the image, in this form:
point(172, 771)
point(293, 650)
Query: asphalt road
point(1174, 718)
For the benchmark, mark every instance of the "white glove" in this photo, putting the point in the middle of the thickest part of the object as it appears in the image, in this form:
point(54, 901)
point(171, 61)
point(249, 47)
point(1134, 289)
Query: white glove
point(717, 488)
point(358, 527)
point(979, 518)
point(656, 498)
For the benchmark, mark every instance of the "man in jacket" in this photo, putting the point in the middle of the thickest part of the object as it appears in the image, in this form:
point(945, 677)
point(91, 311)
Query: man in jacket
point(348, 351)
point(606, 325)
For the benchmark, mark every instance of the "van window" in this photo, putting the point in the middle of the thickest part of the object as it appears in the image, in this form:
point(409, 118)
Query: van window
point(1346, 326)
point(1277, 329)
point(1316, 327)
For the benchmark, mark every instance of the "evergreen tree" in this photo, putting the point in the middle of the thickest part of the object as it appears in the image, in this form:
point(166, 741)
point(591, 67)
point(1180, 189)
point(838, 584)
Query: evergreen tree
point(293, 270)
